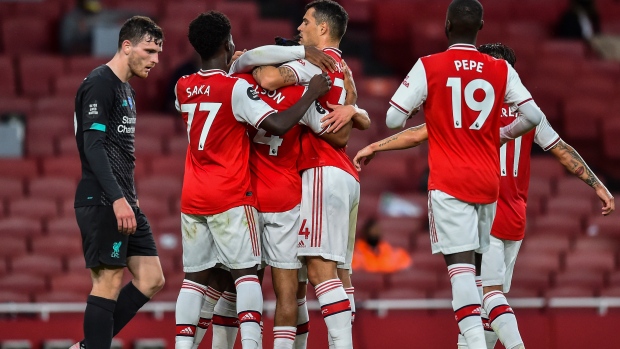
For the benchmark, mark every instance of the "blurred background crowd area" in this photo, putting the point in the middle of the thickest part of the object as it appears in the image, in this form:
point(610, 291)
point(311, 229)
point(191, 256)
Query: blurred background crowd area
point(567, 55)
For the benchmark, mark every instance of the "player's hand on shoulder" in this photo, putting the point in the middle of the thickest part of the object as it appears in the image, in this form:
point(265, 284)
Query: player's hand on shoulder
point(608, 200)
point(235, 56)
point(125, 217)
point(320, 59)
point(349, 83)
point(340, 116)
point(320, 84)
point(366, 155)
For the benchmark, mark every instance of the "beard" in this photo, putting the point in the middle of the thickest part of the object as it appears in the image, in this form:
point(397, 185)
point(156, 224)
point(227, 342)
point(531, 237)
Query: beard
point(137, 69)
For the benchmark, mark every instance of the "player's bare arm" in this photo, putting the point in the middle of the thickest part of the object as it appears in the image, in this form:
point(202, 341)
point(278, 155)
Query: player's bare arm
point(272, 78)
point(409, 138)
point(344, 114)
point(575, 164)
point(279, 123)
point(338, 139)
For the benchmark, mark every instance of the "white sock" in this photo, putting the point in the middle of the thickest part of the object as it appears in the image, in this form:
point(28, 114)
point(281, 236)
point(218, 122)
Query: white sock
point(249, 310)
point(283, 337)
point(466, 304)
point(206, 314)
point(260, 342)
point(336, 311)
point(350, 291)
point(461, 343)
point(303, 324)
point(502, 319)
point(187, 313)
point(490, 337)
point(225, 323)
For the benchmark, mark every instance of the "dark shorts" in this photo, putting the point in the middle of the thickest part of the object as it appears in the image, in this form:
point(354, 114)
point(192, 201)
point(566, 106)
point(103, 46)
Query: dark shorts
point(104, 245)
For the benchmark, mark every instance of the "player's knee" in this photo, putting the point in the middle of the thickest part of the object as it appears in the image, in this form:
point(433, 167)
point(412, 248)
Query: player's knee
point(157, 282)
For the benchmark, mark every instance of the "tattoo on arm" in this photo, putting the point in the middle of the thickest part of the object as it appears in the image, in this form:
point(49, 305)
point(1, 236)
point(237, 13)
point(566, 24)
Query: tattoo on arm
point(256, 73)
point(287, 75)
point(393, 138)
point(577, 165)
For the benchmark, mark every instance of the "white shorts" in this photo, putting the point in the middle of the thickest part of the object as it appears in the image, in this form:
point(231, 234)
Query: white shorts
point(329, 202)
point(498, 263)
point(457, 226)
point(280, 231)
point(230, 238)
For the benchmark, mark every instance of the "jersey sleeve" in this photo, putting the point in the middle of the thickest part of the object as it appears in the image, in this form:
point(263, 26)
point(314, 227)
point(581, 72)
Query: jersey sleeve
point(516, 93)
point(304, 70)
point(546, 137)
point(177, 104)
point(412, 92)
point(312, 118)
point(266, 55)
point(247, 106)
point(97, 104)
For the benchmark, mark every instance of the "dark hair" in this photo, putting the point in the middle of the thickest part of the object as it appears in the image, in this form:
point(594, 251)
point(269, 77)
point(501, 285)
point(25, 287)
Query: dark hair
point(137, 28)
point(330, 12)
point(280, 41)
point(465, 15)
point(207, 33)
point(500, 51)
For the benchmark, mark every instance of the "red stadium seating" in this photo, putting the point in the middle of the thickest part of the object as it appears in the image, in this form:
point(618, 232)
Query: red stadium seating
point(59, 105)
point(64, 296)
point(14, 297)
point(400, 226)
point(569, 292)
point(157, 125)
point(49, 124)
point(24, 283)
point(536, 262)
point(604, 226)
point(147, 145)
point(7, 71)
point(65, 226)
point(559, 224)
point(611, 142)
point(173, 165)
point(13, 246)
point(611, 292)
point(37, 265)
point(427, 261)
point(78, 282)
point(595, 244)
point(40, 144)
point(57, 246)
point(420, 280)
point(67, 85)
point(49, 10)
point(602, 261)
point(422, 243)
point(76, 264)
point(571, 188)
point(520, 292)
point(177, 146)
point(53, 187)
point(163, 186)
point(582, 116)
point(543, 243)
point(36, 39)
point(67, 147)
point(34, 208)
point(20, 226)
point(11, 188)
point(154, 206)
point(369, 281)
point(18, 168)
point(580, 278)
point(18, 105)
point(401, 293)
point(82, 65)
point(68, 167)
point(570, 205)
point(545, 168)
point(37, 73)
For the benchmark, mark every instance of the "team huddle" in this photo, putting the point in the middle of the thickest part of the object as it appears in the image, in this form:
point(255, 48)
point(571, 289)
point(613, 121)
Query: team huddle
point(268, 183)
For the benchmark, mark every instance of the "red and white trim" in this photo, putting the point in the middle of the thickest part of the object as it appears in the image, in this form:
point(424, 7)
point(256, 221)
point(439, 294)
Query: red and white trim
point(286, 334)
point(211, 72)
point(247, 278)
point(487, 297)
point(553, 144)
point(213, 293)
point(303, 328)
point(401, 109)
point(190, 285)
point(316, 228)
point(334, 50)
point(262, 118)
point(431, 220)
point(219, 320)
point(229, 296)
point(467, 311)
point(467, 47)
point(249, 214)
point(454, 271)
point(349, 290)
point(327, 286)
point(525, 101)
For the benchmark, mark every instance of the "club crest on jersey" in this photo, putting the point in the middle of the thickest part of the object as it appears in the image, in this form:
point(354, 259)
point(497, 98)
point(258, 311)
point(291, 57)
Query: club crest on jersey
point(130, 101)
point(252, 94)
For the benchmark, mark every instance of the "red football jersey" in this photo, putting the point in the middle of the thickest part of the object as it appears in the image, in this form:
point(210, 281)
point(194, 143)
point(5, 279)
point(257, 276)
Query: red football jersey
point(273, 160)
point(509, 223)
point(462, 92)
point(315, 151)
point(216, 108)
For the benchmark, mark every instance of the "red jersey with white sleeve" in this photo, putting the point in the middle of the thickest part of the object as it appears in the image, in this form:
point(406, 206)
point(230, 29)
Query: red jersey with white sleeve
point(509, 223)
point(216, 107)
point(315, 151)
point(462, 92)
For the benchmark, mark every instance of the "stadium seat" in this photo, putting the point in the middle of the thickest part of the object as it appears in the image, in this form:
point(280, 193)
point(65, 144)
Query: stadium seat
point(64, 226)
point(3, 265)
point(38, 36)
point(49, 124)
point(40, 144)
point(422, 242)
point(163, 186)
point(151, 343)
point(49, 10)
point(37, 73)
point(57, 343)
point(141, 7)
point(611, 292)
point(157, 124)
point(589, 243)
point(37, 265)
point(13, 297)
point(265, 30)
point(442, 293)
point(543, 243)
point(34, 208)
point(57, 246)
point(147, 145)
point(67, 85)
point(545, 167)
point(22, 105)
point(420, 280)
point(11, 188)
point(82, 65)
point(78, 281)
point(177, 146)
point(611, 143)
point(58, 105)
point(154, 207)
point(595, 85)
point(604, 226)
point(427, 261)
point(401, 293)
point(8, 87)
point(52, 188)
point(582, 116)
point(571, 204)
point(20, 226)
point(575, 49)
point(369, 281)
point(399, 229)
point(12, 246)
point(558, 224)
point(574, 188)
point(173, 165)
point(68, 167)
point(522, 292)
point(536, 262)
point(67, 147)
point(569, 292)
point(602, 261)
point(65, 296)
point(18, 168)
point(580, 278)
point(524, 277)
point(76, 264)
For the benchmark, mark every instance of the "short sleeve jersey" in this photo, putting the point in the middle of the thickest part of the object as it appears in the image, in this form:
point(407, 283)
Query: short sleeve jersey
point(104, 103)
point(462, 92)
point(216, 107)
point(509, 223)
point(315, 151)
